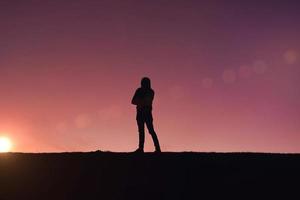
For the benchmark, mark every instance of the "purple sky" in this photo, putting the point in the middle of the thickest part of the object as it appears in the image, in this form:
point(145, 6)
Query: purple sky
point(226, 74)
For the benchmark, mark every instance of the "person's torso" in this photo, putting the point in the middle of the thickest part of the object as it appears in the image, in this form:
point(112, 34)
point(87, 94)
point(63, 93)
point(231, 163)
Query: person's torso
point(146, 98)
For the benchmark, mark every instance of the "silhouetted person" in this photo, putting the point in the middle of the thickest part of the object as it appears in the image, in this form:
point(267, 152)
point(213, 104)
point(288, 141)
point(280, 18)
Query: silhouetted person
point(143, 98)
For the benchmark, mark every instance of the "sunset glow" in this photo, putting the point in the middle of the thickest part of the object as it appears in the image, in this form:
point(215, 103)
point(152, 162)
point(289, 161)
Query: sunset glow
point(226, 74)
point(5, 144)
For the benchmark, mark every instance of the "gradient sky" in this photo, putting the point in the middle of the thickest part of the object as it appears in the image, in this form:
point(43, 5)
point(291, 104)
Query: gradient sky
point(226, 74)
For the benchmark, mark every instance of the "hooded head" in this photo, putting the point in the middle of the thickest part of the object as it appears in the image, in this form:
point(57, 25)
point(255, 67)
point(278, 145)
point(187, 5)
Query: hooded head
point(146, 83)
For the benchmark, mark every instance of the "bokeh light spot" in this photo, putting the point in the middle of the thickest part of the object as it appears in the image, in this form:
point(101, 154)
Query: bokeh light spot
point(82, 121)
point(229, 76)
point(244, 71)
point(260, 67)
point(61, 127)
point(111, 112)
point(207, 83)
point(290, 57)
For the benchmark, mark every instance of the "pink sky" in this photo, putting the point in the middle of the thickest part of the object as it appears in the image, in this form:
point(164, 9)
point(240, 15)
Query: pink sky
point(226, 74)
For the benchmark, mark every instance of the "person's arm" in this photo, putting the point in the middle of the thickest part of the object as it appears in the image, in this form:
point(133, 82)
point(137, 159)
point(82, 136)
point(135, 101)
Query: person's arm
point(135, 99)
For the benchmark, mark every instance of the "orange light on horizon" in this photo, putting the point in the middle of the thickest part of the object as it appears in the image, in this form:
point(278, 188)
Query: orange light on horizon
point(5, 144)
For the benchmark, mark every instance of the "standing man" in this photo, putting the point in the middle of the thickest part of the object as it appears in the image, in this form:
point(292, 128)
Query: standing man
point(143, 98)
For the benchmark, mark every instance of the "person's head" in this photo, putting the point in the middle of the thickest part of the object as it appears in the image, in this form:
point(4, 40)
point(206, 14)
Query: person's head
point(145, 82)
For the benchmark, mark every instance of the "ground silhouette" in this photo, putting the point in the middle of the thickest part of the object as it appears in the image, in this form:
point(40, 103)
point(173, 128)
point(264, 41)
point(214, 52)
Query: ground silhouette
point(106, 175)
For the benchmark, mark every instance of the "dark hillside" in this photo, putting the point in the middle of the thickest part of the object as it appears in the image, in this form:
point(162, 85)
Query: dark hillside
point(105, 175)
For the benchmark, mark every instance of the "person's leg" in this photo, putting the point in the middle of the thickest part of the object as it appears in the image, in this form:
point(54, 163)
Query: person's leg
point(149, 123)
point(141, 129)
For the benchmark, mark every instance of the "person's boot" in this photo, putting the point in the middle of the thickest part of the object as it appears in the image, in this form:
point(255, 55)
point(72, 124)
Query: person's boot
point(156, 142)
point(157, 150)
point(139, 150)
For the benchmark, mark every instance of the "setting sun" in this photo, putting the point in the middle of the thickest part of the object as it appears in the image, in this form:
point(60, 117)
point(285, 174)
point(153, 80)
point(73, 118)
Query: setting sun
point(5, 144)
